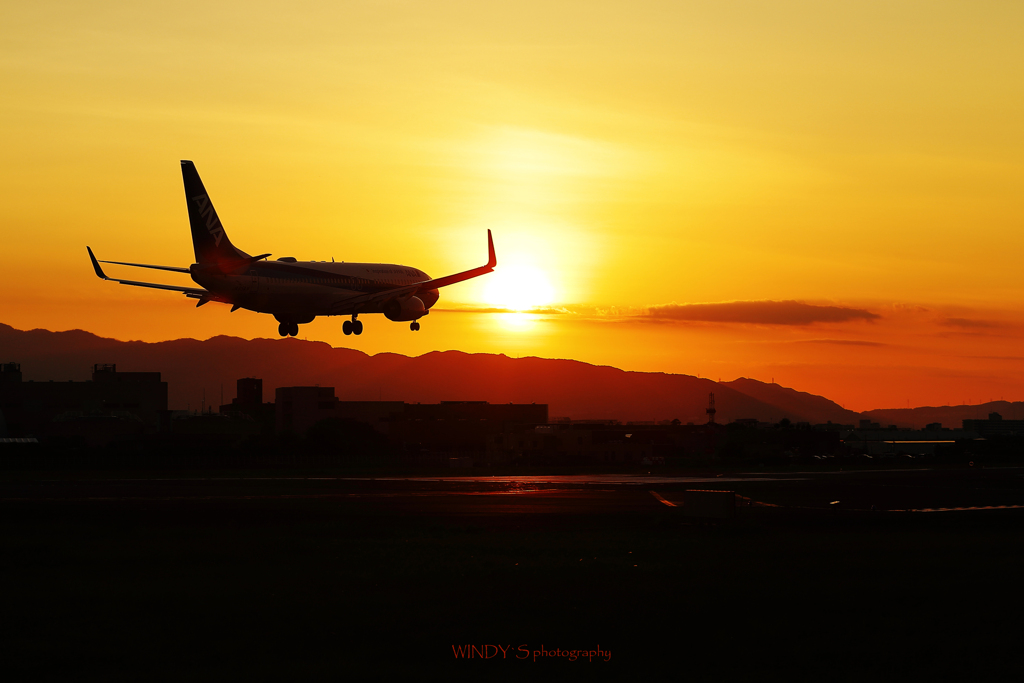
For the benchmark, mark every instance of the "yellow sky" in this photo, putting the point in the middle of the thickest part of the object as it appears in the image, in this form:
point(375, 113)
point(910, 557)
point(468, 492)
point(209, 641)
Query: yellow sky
point(865, 155)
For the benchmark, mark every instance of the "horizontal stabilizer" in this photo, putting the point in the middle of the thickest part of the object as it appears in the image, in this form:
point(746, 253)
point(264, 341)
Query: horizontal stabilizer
point(239, 266)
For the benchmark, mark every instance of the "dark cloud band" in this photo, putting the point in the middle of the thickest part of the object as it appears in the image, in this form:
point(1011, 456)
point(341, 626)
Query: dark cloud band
point(759, 313)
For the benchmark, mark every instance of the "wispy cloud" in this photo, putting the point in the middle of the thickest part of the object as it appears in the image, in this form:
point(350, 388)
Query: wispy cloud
point(841, 342)
point(790, 313)
point(493, 309)
point(971, 323)
point(759, 313)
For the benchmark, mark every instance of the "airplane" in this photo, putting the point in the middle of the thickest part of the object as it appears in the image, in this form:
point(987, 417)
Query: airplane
point(295, 292)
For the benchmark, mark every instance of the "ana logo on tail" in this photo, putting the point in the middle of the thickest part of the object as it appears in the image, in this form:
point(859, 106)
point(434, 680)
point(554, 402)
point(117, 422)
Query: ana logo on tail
point(212, 221)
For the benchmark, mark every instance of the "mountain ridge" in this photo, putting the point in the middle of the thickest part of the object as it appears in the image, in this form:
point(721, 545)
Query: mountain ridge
point(197, 371)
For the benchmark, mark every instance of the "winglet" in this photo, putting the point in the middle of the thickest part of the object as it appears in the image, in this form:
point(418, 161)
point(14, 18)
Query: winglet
point(96, 266)
point(492, 260)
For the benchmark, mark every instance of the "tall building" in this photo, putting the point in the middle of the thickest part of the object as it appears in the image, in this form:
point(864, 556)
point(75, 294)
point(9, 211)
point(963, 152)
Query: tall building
point(249, 392)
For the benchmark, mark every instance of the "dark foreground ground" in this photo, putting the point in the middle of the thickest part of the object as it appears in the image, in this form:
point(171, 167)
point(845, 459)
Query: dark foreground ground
point(235, 578)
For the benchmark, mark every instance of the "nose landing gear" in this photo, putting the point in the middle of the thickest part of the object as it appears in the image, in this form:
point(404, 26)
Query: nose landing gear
point(288, 329)
point(352, 326)
point(415, 327)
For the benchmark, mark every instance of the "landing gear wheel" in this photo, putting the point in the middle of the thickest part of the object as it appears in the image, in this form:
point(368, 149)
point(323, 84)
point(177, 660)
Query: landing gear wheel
point(357, 327)
point(415, 327)
point(282, 329)
point(346, 327)
point(293, 329)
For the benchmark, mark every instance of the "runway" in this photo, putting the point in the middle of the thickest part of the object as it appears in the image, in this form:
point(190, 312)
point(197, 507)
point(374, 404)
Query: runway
point(325, 576)
point(864, 490)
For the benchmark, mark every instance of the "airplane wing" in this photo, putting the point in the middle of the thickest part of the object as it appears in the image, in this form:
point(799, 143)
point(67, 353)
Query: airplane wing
point(365, 300)
point(236, 267)
point(174, 269)
point(492, 261)
point(191, 292)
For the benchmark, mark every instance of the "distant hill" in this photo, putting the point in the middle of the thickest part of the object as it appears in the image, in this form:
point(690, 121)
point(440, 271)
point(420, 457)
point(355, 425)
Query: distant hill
point(817, 409)
point(949, 416)
point(571, 388)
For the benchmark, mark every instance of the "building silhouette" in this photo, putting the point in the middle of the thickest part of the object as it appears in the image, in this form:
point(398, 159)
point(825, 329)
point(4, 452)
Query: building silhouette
point(995, 425)
point(248, 402)
point(450, 426)
point(113, 403)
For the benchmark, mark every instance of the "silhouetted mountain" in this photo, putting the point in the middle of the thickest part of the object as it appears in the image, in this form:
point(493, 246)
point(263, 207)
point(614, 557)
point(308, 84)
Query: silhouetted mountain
point(817, 409)
point(949, 416)
point(571, 388)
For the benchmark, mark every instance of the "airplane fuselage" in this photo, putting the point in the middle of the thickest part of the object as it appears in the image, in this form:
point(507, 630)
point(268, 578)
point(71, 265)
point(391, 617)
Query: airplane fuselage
point(298, 291)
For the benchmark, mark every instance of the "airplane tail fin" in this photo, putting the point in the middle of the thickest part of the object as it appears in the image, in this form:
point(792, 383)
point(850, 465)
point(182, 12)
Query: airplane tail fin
point(211, 243)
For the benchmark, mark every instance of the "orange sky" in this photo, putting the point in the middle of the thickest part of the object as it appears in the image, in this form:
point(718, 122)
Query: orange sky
point(861, 161)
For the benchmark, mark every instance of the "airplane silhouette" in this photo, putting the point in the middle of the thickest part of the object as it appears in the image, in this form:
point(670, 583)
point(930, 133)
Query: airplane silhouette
point(295, 292)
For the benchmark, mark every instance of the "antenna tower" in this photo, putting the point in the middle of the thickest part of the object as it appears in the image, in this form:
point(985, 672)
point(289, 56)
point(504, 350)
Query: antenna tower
point(711, 409)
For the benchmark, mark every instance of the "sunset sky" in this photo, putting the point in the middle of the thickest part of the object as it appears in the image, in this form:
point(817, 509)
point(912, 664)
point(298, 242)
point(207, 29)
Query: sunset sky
point(830, 195)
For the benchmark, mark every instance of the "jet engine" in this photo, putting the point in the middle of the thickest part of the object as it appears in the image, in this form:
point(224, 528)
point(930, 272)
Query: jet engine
point(399, 310)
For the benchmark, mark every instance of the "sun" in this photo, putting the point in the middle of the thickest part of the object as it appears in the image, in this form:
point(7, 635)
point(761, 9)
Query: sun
point(518, 288)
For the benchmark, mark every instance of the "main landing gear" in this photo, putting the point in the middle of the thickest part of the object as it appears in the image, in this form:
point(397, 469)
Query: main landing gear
point(415, 327)
point(288, 329)
point(352, 327)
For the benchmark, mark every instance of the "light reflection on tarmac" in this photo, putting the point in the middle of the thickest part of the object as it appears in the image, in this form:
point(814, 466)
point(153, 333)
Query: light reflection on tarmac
point(572, 479)
point(607, 479)
point(931, 490)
